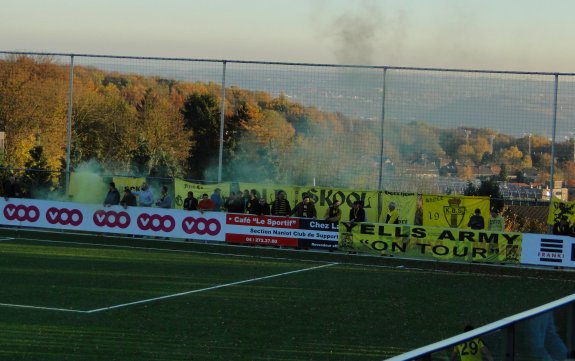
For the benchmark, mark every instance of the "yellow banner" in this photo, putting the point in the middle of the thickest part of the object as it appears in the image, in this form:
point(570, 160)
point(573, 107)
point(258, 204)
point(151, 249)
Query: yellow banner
point(122, 182)
point(406, 205)
point(323, 198)
point(182, 187)
point(452, 211)
point(268, 191)
point(560, 209)
point(431, 242)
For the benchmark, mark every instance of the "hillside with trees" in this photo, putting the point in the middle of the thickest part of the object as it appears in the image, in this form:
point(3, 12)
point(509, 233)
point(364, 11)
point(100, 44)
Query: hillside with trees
point(151, 126)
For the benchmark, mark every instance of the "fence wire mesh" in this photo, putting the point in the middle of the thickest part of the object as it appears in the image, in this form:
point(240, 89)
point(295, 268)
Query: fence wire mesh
point(398, 129)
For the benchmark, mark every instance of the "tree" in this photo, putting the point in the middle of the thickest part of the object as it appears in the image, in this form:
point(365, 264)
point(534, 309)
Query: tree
point(503, 173)
point(37, 178)
point(520, 176)
point(569, 169)
point(32, 99)
point(202, 114)
point(465, 171)
point(465, 151)
point(511, 155)
point(161, 126)
point(141, 156)
point(487, 187)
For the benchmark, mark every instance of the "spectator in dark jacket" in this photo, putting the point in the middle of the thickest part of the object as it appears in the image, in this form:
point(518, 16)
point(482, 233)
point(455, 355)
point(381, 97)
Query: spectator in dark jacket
point(113, 196)
point(253, 203)
point(129, 199)
point(476, 221)
point(263, 208)
point(305, 208)
point(235, 203)
point(190, 203)
point(12, 188)
point(281, 206)
point(357, 213)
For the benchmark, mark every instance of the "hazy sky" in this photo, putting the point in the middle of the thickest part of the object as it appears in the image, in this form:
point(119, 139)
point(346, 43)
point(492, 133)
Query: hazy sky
point(522, 35)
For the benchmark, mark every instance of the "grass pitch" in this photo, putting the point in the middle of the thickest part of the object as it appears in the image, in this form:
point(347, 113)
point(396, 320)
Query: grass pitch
point(81, 297)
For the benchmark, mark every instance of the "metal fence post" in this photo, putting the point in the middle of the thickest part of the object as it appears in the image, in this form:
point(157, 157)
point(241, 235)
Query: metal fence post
point(222, 111)
point(552, 170)
point(69, 127)
point(381, 134)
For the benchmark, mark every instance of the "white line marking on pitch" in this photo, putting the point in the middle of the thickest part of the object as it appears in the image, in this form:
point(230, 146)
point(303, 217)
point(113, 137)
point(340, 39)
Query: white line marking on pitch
point(43, 308)
point(167, 296)
point(207, 289)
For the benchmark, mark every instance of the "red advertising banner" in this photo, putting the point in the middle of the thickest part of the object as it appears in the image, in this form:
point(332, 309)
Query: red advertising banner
point(261, 240)
point(281, 231)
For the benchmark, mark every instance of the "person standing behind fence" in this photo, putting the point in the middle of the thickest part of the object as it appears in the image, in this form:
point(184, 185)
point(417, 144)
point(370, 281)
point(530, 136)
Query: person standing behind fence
point(165, 200)
point(245, 199)
point(113, 196)
point(333, 213)
point(496, 222)
point(145, 196)
point(476, 221)
point(357, 213)
point(281, 206)
point(263, 208)
point(235, 203)
point(305, 208)
point(190, 203)
point(216, 197)
point(471, 350)
point(253, 204)
point(205, 204)
point(392, 216)
point(12, 188)
point(128, 200)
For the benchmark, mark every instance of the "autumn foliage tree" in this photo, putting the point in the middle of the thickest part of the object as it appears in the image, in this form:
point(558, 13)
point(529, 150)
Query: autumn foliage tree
point(153, 125)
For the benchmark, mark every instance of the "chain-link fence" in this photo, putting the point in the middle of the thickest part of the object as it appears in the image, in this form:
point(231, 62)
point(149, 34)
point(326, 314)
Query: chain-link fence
point(363, 127)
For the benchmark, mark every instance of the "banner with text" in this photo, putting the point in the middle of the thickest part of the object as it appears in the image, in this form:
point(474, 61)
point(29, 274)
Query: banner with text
point(281, 231)
point(182, 187)
point(406, 205)
point(452, 211)
point(130, 182)
point(548, 250)
point(324, 197)
point(115, 219)
point(431, 242)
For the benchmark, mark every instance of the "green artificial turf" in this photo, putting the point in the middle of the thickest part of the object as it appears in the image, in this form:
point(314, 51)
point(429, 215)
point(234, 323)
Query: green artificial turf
point(352, 308)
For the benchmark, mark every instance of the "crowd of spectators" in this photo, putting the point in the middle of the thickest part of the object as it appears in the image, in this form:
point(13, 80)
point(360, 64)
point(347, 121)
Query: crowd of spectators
point(251, 202)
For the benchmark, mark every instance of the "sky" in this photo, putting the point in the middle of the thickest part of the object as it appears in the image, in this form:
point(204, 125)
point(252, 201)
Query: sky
point(514, 35)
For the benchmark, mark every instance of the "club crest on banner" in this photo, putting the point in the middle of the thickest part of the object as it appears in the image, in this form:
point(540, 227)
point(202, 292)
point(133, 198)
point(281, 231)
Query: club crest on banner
point(454, 212)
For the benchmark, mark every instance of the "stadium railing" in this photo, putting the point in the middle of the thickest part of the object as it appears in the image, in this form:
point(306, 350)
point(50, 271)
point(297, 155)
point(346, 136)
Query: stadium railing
point(542, 333)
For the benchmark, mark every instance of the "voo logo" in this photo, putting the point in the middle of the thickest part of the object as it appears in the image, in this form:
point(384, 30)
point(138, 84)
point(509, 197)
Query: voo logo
point(64, 216)
point(156, 223)
point(111, 219)
point(21, 213)
point(201, 226)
